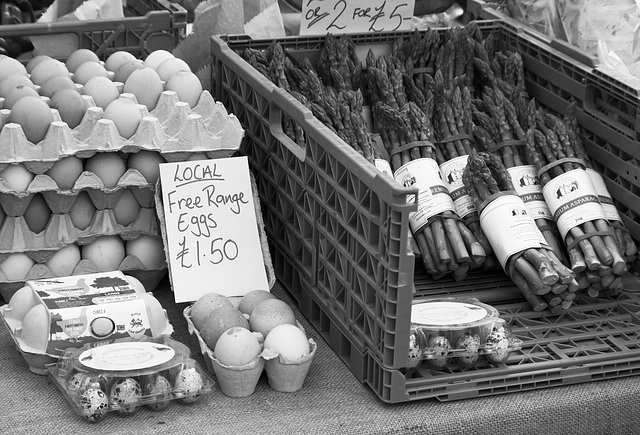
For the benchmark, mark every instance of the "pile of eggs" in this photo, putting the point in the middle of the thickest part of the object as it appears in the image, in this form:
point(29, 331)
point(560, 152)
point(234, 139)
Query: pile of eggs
point(94, 393)
point(87, 206)
point(238, 331)
point(237, 334)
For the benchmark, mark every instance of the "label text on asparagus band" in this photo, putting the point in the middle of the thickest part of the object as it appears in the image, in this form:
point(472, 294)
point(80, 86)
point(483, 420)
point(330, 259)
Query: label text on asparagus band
point(451, 172)
point(211, 228)
point(509, 227)
point(573, 200)
point(527, 185)
point(604, 196)
point(433, 195)
point(320, 17)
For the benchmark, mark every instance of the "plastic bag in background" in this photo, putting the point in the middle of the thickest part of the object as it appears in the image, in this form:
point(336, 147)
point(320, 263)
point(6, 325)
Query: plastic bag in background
point(543, 15)
point(613, 22)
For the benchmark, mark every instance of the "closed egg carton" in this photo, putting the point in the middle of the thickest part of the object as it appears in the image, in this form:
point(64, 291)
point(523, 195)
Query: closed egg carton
point(16, 236)
point(130, 264)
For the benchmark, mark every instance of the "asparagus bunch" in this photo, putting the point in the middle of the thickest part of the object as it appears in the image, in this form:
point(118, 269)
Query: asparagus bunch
point(498, 130)
point(339, 107)
point(626, 244)
point(338, 64)
point(446, 244)
point(591, 246)
point(452, 116)
point(543, 279)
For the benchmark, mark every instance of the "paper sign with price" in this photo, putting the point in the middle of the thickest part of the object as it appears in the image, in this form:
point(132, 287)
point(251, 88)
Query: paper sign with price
point(212, 236)
point(320, 17)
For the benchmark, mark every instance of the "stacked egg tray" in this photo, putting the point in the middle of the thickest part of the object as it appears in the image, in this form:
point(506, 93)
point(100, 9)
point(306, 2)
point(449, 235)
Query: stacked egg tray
point(172, 128)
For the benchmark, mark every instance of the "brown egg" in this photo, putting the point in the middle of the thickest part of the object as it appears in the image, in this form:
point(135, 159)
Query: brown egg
point(270, 313)
point(37, 214)
point(219, 321)
point(70, 105)
point(249, 301)
point(204, 305)
point(82, 211)
point(66, 171)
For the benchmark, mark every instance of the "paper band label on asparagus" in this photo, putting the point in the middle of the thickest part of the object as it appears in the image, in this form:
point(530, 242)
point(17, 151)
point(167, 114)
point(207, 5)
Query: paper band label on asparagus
point(509, 227)
point(573, 200)
point(451, 172)
point(383, 166)
point(604, 196)
point(527, 184)
point(433, 195)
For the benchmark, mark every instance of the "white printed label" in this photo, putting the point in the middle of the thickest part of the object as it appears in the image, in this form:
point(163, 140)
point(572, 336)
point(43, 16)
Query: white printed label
point(383, 166)
point(433, 196)
point(604, 196)
point(527, 184)
point(573, 200)
point(509, 227)
point(446, 313)
point(126, 356)
point(451, 172)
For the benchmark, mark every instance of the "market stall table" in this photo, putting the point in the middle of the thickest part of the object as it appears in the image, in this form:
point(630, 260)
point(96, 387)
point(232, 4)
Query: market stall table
point(332, 401)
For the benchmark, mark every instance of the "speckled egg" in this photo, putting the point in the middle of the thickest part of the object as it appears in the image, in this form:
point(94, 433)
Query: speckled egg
point(74, 384)
point(125, 395)
point(95, 405)
point(415, 352)
point(188, 385)
point(468, 349)
point(158, 389)
point(438, 349)
point(98, 382)
point(497, 344)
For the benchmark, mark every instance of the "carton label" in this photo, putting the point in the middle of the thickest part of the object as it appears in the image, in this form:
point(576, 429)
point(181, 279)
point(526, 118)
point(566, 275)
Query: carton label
point(446, 313)
point(126, 356)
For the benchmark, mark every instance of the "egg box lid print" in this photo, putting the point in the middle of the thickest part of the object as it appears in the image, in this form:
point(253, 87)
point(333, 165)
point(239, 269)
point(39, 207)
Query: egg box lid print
point(211, 233)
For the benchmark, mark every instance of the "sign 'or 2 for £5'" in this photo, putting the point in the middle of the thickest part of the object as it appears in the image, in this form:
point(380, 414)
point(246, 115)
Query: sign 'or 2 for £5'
point(320, 17)
point(213, 244)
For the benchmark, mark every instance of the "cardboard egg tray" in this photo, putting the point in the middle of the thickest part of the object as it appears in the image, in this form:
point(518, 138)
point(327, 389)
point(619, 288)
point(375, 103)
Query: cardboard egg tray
point(16, 236)
point(172, 129)
point(130, 265)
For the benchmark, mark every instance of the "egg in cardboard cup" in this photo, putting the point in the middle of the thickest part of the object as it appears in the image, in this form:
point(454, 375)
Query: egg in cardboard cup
point(288, 354)
point(237, 361)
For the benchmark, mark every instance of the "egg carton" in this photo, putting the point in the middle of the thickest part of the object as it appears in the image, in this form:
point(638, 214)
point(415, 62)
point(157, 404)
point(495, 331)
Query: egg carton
point(16, 236)
point(130, 265)
point(458, 333)
point(161, 372)
point(172, 128)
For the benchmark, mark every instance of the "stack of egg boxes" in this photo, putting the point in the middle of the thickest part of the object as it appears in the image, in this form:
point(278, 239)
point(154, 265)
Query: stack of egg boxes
point(172, 128)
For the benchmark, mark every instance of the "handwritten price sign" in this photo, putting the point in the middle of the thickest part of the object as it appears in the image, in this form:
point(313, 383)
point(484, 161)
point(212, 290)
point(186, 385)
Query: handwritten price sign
point(355, 16)
point(212, 231)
